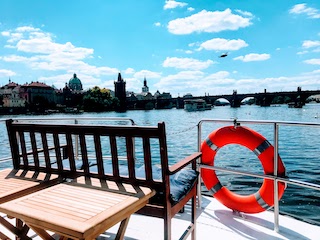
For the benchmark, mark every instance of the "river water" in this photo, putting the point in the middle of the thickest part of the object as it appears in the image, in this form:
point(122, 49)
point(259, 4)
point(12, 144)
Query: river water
point(298, 147)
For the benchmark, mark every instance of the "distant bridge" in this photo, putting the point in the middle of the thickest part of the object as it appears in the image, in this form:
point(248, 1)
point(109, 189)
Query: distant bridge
point(264, 99)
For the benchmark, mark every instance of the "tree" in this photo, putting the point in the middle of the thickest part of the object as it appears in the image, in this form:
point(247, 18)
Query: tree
point(98, 100)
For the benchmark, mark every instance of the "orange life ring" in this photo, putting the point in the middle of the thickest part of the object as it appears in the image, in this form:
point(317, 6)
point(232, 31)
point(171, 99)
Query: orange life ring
point(254, 203)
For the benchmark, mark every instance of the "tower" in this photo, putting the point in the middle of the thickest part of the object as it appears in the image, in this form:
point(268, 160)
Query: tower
point(145, 88)
point(120, 93)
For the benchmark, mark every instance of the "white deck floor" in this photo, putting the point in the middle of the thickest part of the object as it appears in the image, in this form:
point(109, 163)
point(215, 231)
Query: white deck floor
point(215, 221)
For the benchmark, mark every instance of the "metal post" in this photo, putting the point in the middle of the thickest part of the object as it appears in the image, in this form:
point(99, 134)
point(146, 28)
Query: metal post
point(199, 167)
point(275, 173)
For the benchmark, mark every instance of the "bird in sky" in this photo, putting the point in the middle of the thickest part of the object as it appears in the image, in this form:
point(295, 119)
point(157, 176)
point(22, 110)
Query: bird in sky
point(223, 55)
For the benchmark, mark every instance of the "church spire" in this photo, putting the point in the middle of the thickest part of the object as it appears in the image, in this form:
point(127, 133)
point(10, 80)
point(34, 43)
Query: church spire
point(119, 77)
point(145, 82)
point(145, 88)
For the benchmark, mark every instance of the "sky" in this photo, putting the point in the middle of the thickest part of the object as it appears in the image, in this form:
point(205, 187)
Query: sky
point(175, 45)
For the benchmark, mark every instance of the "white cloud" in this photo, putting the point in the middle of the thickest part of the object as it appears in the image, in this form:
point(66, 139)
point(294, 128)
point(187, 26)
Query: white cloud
point(190, 9)
point(206, 21)
point(27, 29)
point(170, 4)
point(223, 44)
point(146, 73)
point(244, 13)
point(88, 80)
point(303, 9)
point(218, 75)
point(181, 82)
point(5, 33)
point(6, 73)
point(129, 71)
point(46, 54)
point(186, 63)
point(15, 58)
point(14, 37)
point(302, 52)
point(310, 44)
point(253, 57)
point(133, 84)
point(314, 61)
point(157, 24)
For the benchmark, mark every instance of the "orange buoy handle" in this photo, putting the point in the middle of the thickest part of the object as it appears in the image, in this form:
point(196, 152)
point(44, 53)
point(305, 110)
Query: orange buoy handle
point(264, 197)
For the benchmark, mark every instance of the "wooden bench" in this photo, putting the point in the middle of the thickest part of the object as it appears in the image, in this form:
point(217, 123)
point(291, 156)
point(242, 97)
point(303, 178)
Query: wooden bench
point(128, 154)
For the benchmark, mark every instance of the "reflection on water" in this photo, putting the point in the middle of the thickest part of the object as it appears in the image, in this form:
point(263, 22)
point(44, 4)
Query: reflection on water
point(298, 147)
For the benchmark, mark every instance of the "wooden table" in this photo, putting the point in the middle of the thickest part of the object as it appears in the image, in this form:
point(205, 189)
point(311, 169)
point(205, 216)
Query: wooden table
point(18, 183)
point(80, 209)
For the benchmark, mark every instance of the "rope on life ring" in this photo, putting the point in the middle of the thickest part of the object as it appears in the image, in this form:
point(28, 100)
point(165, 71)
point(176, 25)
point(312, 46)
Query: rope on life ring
point(264, 197)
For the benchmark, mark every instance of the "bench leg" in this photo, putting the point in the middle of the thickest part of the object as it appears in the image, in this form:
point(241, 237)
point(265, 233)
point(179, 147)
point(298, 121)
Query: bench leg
point(193, 217)
point(167, 228)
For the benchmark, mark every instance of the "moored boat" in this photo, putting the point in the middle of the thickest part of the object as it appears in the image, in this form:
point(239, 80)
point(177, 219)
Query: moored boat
point(192, 105)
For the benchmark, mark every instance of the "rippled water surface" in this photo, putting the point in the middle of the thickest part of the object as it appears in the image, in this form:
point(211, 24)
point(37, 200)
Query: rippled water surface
point(298, 147)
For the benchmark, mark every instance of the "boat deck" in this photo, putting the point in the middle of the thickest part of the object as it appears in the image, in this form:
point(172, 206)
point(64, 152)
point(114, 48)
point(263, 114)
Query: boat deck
point(214, 221)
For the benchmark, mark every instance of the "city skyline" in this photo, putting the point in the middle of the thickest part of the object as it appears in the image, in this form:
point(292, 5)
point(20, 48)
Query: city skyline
point(175, 45)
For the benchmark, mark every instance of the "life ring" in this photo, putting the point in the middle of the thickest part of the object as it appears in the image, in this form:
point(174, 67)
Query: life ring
point(264, 197)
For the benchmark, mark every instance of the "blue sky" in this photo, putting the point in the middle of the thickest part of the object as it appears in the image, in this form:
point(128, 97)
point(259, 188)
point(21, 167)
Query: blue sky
point(273, 45)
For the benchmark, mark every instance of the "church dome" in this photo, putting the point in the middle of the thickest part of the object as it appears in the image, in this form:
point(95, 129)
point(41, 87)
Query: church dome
point(75, 83)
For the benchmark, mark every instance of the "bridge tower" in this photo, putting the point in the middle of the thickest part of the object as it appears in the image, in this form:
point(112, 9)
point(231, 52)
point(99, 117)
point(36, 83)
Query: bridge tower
point(120, 93)
point(235, 101)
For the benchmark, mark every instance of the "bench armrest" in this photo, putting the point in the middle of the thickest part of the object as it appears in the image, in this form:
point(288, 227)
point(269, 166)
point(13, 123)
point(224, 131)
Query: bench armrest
point(186, 161)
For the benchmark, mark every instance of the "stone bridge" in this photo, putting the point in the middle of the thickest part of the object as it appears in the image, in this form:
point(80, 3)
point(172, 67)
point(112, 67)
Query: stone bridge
point(264, 99)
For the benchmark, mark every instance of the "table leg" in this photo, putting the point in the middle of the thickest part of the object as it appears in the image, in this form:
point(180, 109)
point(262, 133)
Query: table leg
point(122, 229)
point(5, 237)
point(41, 233)
point(20, 230)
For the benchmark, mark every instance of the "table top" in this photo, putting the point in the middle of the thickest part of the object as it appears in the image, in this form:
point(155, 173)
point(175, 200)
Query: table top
point(81, 208)
point(17, 183)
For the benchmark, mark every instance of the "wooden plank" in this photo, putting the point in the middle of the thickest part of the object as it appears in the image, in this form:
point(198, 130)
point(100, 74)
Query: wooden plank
point(114, 156)
point(35, 153)
point(84, 153)
point(97, 147)
point(130, 157)
point(23, 149)
point(46, 151)
point(147, 158)
point(70, 151)
point(57, 149)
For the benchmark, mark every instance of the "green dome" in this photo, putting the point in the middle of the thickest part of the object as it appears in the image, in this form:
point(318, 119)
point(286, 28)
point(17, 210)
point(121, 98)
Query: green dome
point(75, 83)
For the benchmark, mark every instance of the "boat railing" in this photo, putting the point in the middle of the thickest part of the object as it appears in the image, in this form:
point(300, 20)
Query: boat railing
point(274, 177)
point(64, 120)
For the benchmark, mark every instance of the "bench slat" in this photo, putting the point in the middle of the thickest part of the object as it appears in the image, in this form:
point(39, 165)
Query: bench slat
point(97, 146)
point(35, 153)
point(114, 156)
point(130, 157)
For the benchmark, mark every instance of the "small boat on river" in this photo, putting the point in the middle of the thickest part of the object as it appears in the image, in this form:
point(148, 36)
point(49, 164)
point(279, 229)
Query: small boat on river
point(192, 105)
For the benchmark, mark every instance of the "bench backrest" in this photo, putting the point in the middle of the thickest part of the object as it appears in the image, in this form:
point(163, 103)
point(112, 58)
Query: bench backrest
point(129, 154)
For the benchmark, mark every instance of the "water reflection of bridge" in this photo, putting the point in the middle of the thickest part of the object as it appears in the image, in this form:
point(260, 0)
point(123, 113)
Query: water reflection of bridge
point(296, 98)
